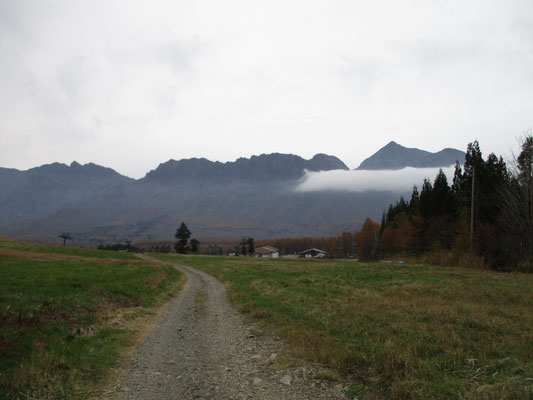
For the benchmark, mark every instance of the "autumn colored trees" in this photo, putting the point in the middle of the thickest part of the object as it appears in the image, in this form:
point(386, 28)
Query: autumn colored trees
point(367, 239)
point(483, 213)
point(484, 216)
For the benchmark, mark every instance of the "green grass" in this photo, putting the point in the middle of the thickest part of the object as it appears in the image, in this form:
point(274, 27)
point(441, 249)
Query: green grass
point(59, 330)
point(394, 331)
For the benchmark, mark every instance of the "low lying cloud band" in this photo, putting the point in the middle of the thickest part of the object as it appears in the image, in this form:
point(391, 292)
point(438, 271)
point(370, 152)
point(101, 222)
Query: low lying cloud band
point(401, 181)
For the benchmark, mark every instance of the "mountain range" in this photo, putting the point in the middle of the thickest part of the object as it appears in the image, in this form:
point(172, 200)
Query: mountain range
point(248, 197)
point(394, 156)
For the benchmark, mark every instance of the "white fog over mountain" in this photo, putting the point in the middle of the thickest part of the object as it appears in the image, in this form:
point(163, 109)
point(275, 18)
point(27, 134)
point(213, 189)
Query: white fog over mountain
point(400, 181)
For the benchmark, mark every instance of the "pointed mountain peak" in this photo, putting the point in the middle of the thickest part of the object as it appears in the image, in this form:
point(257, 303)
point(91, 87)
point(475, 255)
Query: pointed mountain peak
point(395, 156)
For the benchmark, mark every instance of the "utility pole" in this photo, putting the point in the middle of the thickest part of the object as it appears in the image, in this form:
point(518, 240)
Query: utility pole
point(472, 209)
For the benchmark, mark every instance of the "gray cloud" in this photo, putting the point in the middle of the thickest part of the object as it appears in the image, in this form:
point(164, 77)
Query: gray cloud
point(180, 54)
point(401, 181)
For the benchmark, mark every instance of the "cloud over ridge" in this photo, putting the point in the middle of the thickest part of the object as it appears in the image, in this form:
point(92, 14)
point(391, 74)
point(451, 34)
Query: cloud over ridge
point(401, 181)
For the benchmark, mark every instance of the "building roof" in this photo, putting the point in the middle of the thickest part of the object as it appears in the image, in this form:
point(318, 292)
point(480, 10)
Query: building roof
point(314, 250)
point(266, 250)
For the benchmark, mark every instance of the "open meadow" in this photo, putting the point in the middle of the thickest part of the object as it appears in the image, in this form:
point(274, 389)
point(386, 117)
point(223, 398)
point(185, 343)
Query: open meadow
point(67, 314)
point(393, 331)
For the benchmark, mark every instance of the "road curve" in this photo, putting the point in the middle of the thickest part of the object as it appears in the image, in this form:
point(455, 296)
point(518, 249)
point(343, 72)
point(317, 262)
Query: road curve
point(201, 348)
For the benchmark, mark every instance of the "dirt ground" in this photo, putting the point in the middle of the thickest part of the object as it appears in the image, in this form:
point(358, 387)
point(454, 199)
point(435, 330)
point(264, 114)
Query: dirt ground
point(201, 348)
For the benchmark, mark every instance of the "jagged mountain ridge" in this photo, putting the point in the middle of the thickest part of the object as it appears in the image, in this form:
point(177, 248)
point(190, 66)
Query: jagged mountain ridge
point(275, 166)
point(394, 156)
point(96, 203)
point(252, 197)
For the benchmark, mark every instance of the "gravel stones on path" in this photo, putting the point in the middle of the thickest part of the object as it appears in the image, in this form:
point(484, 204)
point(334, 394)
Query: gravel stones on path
point(201, 348)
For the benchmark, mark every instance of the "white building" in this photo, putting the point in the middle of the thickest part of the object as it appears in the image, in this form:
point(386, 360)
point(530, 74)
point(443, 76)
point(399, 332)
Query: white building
point(267, 252)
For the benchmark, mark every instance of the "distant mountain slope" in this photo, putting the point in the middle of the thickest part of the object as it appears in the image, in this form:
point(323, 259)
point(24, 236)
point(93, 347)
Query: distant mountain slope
point(96, 204)
point(40, 191)
point(248, 197)
point(266, 167)
point(395, 156)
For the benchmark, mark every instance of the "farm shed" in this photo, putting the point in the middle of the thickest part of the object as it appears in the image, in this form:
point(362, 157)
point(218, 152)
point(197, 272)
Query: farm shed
point(267, 252)
point(314, 253)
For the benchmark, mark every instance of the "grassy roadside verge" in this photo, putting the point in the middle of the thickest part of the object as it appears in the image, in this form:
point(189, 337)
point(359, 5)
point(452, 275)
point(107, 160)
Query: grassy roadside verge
point(394, 331)
point(66, 314)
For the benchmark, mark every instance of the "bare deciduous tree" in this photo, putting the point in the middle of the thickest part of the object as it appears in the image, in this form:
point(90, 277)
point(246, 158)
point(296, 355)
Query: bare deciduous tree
point(517, 214)
point(65, 236)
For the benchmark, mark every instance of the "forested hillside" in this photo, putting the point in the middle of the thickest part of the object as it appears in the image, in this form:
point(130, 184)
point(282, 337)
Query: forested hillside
point(484, 216)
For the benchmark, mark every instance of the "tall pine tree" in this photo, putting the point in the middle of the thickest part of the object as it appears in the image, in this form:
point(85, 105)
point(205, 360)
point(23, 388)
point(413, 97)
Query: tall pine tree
point(182, 234)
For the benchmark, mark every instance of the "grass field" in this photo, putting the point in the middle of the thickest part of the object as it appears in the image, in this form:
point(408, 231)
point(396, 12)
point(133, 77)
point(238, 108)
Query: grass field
point(67, 313)
point(393, 331)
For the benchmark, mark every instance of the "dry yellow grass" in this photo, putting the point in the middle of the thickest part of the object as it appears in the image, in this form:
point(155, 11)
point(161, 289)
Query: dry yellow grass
point(21, 254)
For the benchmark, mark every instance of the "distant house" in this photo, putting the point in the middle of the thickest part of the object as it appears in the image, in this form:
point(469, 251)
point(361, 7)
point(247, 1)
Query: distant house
point(314, 253)
point(267, 252)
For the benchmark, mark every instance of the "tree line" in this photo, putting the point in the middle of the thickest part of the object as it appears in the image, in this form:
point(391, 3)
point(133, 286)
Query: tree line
point(121, 247)
point(483, 218)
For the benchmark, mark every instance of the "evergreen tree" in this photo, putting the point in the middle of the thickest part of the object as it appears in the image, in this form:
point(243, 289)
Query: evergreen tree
point(525, 162)
point(425, 198)
point(383, 223)
point(251, 247)
point(182, 234)
point(443, 200)
point(525, 174)
point(442, 217)
point(414, 204)
point(457, 178)
point(194, 245)
point(243, 244)
point(473, 160)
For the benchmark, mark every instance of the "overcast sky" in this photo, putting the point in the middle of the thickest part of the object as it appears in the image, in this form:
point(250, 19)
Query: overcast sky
point(130, 84)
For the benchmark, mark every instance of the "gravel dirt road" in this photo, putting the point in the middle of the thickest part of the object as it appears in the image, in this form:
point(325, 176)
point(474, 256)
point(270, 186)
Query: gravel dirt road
point(202, 348)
